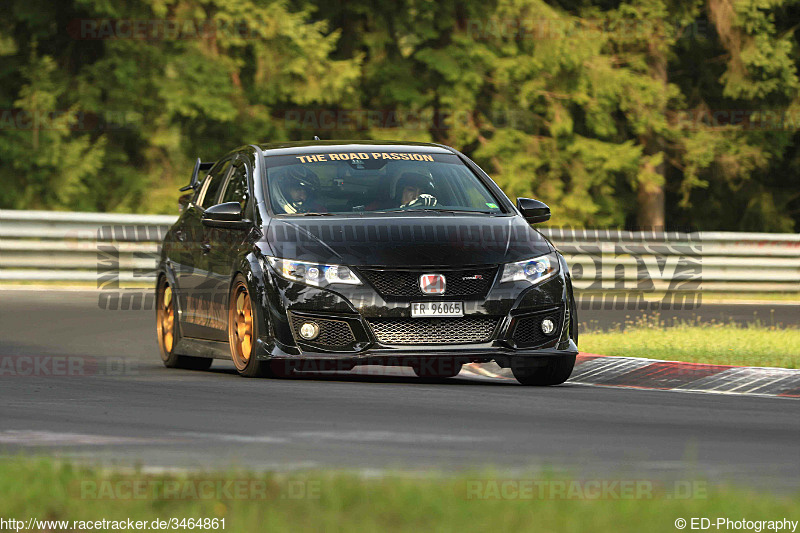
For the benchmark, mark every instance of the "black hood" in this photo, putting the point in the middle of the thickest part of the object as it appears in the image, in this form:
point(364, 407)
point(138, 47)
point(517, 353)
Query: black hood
point(406, 240)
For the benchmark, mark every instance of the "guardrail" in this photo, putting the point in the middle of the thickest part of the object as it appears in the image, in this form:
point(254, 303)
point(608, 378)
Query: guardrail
point(96, 247)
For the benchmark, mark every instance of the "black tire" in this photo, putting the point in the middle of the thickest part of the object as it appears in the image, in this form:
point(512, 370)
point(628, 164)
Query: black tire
point(168, 331)
point(243, 354)
point(556, 371)
point(436, 369)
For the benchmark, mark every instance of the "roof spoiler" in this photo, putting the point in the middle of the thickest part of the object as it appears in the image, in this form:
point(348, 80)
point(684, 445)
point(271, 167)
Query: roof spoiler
point(198, 166)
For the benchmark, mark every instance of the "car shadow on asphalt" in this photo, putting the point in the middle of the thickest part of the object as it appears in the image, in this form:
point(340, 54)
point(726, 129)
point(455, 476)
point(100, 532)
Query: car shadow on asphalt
point(390, 375)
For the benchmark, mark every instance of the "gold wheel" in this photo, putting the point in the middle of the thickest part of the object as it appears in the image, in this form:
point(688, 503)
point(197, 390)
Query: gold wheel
point(241, 326)
point(168, 330)
point(166, 319)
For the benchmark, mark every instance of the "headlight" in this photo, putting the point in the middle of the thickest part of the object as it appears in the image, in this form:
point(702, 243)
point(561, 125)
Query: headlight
point(315, 274)
point(533, 270)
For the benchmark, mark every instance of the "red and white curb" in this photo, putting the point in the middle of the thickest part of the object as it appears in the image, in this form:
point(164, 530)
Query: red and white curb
point(638, 372)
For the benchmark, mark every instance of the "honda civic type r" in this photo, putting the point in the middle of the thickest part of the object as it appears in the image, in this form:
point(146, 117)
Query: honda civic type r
point(324, 255)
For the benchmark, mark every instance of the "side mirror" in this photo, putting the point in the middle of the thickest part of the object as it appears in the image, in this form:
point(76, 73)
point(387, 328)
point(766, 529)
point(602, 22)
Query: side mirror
point(227, 215)
point(534, 211)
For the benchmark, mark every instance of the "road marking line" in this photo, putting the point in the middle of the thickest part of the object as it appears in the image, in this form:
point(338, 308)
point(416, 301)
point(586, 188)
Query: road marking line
point(51, 438)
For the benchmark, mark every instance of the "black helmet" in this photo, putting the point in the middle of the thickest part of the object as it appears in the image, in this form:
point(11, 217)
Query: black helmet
point(296, 177)
point(299, 176)
point(416, 180)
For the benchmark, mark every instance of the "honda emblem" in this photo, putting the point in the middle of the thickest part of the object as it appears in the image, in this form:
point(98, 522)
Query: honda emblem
point(432, 283)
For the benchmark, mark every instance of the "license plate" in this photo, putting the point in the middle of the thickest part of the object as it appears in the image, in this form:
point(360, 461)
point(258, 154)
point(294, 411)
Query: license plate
point(428, 309)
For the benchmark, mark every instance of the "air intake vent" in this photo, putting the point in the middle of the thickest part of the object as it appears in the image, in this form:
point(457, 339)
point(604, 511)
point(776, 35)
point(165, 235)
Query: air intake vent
point(528, 331)
point(460, 330)
point(332, 333)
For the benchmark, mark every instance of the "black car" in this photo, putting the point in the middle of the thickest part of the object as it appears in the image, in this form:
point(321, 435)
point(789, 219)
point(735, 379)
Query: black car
point(326, 255)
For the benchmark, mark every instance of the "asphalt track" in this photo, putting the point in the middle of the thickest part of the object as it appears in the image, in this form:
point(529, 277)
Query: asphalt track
point(122, 407)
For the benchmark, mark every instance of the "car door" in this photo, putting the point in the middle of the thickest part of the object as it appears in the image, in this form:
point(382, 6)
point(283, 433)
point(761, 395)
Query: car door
point(225, 244)
point(196, 288)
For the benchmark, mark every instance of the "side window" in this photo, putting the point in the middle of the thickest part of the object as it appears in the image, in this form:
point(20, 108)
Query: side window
point(212, 184)
point(236, 187)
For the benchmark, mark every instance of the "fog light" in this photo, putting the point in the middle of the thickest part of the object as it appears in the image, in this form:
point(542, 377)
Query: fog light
point(309, 331)
point(547, 326)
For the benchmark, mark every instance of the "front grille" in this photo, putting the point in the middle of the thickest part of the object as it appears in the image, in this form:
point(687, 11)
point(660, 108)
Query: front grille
point(332, 333)
point(459, 330)
point(528, 331)
point(405, 283)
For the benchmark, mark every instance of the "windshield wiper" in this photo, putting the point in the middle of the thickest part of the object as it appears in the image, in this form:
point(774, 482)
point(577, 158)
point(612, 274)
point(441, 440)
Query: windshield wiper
point(433, 210)
point(427, 209)
point(412, 211)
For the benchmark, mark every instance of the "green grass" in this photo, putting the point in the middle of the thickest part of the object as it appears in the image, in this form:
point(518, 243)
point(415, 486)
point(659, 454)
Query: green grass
point(709, 296)
point(43, 489)
point(716, 343)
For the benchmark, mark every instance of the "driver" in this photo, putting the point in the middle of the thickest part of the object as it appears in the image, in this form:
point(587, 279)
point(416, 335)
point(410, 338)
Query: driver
point(413, 190)
point(298, 186)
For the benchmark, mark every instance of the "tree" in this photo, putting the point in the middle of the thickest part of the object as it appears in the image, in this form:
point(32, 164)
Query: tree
point(599, 108)
point(48, 163)
point(156, 84)
point(615, 112)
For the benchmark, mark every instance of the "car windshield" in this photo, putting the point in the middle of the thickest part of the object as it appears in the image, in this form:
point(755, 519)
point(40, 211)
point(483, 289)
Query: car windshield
point(374, 182)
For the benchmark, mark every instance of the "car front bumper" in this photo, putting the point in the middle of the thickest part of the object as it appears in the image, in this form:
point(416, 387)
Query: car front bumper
point(508, 307)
